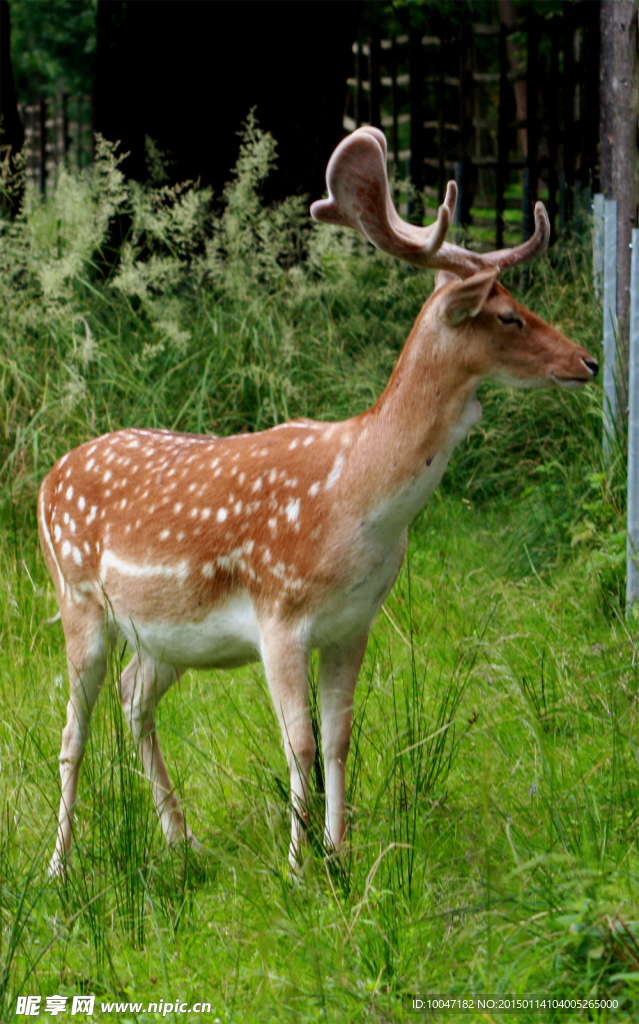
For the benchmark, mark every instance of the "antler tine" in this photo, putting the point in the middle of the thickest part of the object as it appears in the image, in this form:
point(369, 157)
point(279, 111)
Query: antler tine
point(359, 197)
point(528, 250)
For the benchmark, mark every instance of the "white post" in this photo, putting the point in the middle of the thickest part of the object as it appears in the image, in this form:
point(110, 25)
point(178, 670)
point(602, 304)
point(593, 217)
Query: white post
point(610, 327)
point(632, 578)
point(598, 241)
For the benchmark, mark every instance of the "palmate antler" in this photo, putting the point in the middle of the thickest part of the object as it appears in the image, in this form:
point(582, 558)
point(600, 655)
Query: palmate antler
point(359, 197)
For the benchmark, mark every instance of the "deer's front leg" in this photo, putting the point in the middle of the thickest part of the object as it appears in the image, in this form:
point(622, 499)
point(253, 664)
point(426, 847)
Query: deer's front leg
point(285, 660)
point(339, 668)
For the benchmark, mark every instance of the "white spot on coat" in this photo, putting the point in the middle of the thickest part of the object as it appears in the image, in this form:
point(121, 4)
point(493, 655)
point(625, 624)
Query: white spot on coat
point(293, 510)
point(335, 472)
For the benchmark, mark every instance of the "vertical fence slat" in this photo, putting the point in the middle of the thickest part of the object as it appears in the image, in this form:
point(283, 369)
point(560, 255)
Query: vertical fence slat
point(359, 99)
point(569, 109)
point(417, 154)
point(442, 176)
point(42, 140)
point(395, 112)
point(553, 129)
point(532, 122)
point(466, 126)
point(375, 90)
point(632, 576)
point(589, 90)
point(502, 141)
point(610, 326)
point(64, 126)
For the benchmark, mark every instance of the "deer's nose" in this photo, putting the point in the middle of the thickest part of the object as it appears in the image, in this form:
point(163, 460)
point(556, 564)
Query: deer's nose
point(592, 366)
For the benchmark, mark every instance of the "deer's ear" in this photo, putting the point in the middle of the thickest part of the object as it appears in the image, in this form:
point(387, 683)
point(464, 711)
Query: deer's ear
point(443, 277)
point(466, 299)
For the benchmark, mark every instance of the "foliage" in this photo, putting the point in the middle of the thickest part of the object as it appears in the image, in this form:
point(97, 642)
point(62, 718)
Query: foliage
point(52, 47)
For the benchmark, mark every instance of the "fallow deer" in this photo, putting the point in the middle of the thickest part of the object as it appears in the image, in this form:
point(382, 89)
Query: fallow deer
point(214, 552)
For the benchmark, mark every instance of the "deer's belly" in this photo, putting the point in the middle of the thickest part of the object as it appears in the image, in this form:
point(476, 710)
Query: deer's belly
point(227, 637)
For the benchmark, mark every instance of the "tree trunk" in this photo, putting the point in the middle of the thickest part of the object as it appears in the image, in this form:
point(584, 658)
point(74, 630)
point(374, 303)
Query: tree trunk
point(619, 155)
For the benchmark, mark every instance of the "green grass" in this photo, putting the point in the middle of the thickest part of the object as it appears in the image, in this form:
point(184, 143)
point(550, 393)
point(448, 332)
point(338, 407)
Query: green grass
point(493, 780)
point(493, 789)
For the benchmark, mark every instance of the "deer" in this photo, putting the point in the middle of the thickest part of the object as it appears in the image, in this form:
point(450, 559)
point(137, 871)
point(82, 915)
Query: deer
point(214, 552)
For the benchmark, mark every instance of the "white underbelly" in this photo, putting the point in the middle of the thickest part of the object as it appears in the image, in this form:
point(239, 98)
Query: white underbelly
point(230, 635)
point(227, 637)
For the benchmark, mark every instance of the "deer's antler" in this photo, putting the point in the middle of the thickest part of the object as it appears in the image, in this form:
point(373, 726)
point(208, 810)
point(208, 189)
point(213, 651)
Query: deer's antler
point(359, 197)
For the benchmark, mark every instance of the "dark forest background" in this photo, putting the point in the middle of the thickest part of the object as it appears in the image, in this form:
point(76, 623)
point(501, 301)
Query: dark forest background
point(185, 73)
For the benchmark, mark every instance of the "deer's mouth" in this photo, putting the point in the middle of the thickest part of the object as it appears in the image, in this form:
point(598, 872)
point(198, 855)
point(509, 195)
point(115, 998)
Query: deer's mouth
point(590, 366)
point(573, 383)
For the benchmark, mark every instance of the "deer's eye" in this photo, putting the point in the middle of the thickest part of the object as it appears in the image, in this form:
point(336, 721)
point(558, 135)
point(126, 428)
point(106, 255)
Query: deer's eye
point(510, 320)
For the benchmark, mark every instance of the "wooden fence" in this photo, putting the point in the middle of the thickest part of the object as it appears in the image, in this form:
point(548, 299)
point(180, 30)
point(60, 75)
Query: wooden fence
point(459, 105)
point(57, 131)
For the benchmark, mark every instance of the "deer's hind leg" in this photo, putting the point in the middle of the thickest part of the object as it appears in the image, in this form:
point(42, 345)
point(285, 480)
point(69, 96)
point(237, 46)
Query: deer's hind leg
point(85, 633)
point(143, 684)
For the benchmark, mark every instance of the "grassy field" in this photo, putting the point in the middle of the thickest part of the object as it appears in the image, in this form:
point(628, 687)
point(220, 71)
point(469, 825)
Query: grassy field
point(493, 780)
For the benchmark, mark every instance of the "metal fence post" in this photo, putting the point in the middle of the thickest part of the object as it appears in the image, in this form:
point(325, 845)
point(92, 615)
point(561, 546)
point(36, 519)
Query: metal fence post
point(610, 327)
point(598, 242)
point(632, 577)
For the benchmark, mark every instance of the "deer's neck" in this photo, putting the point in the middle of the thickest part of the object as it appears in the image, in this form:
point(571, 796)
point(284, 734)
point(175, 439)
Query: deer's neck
point(406, 439)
